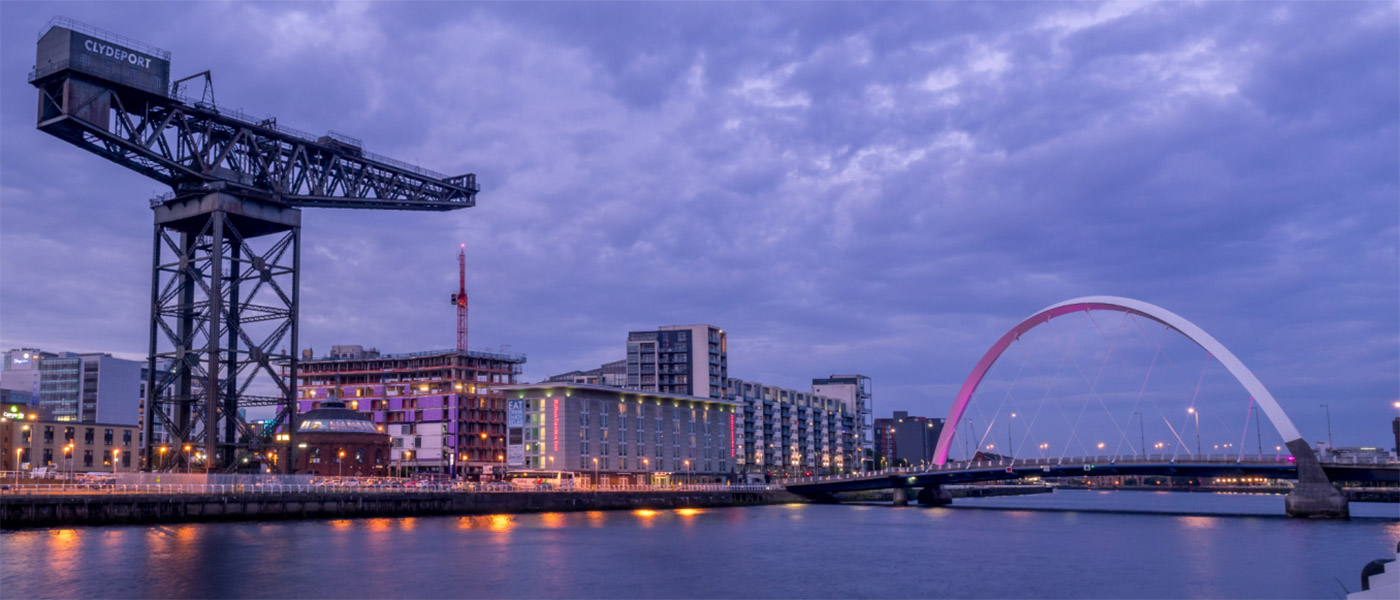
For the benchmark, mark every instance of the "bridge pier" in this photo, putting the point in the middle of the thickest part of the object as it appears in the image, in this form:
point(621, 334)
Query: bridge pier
point(935, 495)
point(1314, 497)
point(899, 496)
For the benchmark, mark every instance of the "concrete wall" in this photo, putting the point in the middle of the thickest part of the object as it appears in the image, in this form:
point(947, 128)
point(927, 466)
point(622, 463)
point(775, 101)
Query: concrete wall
point(18, 512)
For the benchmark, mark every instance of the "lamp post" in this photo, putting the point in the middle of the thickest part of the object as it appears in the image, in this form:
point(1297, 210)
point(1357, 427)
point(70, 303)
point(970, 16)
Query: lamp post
point(163, 450)
point(1192, 410)
point(687, 471)
point(340, 462)
point(116, 454)
point(646, 466)
point(595, 472)
point(187, 459)
point(1009, 444)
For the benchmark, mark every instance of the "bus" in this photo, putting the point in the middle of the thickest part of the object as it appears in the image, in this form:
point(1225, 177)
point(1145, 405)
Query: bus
point(541, 480)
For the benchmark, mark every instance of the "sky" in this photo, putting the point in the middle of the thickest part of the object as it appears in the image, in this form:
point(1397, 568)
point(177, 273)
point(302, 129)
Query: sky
point(874, 188)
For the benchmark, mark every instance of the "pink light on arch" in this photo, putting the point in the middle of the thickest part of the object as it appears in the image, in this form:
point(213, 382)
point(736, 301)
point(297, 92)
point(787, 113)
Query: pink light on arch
point(1265, 400)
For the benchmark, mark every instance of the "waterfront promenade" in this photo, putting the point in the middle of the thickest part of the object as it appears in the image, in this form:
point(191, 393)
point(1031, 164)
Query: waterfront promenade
point(48, 503)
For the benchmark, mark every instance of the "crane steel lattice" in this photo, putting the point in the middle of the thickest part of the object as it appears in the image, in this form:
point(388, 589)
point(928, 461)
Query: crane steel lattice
point(459, 299)
point(227, 238)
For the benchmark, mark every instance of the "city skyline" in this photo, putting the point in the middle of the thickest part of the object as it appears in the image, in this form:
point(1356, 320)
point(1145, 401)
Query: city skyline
point(839, 189)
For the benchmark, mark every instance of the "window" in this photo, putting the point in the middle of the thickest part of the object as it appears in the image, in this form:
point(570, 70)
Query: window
point(107, 437)
point(360, 456)
point(48, 456)
point(126, 459)
point(87, 458)
point(48, 434)
point(314, 456)
point(68, 434)
point(126, 438)
point(87, 435)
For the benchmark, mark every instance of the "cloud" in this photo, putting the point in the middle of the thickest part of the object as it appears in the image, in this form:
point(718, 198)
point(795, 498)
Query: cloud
point(843, 187)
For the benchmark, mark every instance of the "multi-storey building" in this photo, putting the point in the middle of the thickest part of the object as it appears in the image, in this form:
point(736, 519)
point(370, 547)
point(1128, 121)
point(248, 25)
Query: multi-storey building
point(854, 391)
point(91, 387)
point(611, 435)
point(612, 374)
point(67, 446)
point(903, 441)
point(441, 408)
point(787, 432)
point(691, 360)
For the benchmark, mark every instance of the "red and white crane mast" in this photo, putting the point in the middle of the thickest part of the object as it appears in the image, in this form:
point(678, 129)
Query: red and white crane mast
point(460, 299)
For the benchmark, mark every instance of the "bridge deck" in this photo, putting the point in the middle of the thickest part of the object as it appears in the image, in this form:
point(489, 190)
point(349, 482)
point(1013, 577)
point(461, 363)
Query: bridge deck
point(1274, 467)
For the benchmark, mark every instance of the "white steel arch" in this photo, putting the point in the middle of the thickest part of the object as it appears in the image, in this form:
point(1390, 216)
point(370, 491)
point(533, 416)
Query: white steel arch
point(1266, 401)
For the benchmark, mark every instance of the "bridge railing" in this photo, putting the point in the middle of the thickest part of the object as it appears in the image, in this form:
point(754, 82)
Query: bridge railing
point(97, 488)
point(1213, 459)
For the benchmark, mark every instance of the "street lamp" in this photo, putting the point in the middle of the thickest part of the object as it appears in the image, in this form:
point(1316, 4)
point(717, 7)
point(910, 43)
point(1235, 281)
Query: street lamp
point(1192, 410)
point(340, 462)
point(187, 459)
point(116, 454)
point(646, 466)
point(687, 471)
point(595, 472)
point(1009, 444)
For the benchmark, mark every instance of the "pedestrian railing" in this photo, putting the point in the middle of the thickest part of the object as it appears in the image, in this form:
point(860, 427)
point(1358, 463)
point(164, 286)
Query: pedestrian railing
point(333, 488)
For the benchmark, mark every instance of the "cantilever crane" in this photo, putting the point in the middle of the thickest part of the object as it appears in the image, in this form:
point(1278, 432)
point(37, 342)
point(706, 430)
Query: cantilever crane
point(227, 238)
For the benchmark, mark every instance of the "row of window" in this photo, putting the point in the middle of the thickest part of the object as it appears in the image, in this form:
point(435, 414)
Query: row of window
point(89, 435)
point(25, 455)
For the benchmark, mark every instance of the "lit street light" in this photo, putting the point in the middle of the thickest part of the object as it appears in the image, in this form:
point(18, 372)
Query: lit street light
point(116, 454)
point(595, 472)
point(1192, 410)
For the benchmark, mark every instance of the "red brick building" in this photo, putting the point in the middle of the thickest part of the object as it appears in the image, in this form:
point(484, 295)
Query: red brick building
point(334, 440)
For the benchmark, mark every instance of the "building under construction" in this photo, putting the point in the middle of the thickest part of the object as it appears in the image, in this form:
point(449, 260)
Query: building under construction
point(441, 407)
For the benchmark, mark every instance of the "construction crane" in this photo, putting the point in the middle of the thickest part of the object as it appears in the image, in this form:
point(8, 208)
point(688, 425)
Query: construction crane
point(459, 299)
point(227, 239)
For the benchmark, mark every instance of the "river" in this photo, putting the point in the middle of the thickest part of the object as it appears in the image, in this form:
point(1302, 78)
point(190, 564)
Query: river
point(1071, 544)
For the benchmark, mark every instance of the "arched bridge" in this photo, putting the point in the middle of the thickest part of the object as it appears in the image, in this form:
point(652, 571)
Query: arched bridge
point(1313, 496)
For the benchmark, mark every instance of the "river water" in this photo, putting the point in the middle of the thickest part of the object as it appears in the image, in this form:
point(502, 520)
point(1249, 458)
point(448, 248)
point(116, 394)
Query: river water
point(1071, 544)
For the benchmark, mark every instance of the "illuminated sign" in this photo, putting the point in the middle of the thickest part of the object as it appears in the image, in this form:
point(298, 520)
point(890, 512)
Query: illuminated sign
point(117, 52)
point(13, 412)
point(515, 433)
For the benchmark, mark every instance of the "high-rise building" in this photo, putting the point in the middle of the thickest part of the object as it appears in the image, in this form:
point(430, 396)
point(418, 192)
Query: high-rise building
point(691, 360)
point(440, 407)
point(902, 440)
point(855, 392)
point(787, 432)
point(92, 387)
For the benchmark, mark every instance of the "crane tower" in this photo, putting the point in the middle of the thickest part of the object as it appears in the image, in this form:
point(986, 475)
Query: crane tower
point(459, 300)
point(226, 259)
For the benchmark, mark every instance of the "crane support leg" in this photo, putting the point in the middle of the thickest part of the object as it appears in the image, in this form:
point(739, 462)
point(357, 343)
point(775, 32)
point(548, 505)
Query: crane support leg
point(223, 332)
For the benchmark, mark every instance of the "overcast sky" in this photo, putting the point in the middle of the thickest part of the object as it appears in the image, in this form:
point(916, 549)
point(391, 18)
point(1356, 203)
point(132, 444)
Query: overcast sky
point(873, 188)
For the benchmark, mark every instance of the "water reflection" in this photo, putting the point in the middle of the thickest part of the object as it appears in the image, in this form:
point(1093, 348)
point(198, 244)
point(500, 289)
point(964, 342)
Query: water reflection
point(644, 552)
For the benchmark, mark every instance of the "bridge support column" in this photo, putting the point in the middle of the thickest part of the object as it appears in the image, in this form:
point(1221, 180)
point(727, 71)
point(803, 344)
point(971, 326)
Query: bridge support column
point(899, 496)
point(1315, 497)
point(935, 495)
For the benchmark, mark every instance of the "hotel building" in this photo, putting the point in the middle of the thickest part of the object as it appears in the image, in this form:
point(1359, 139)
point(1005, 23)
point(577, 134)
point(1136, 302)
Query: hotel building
point(619, 436)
